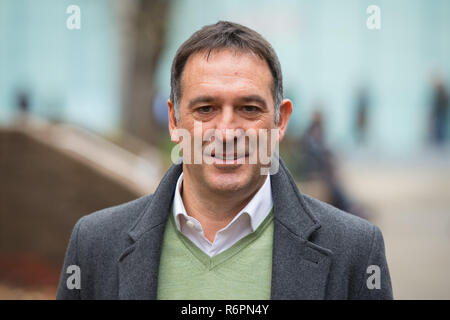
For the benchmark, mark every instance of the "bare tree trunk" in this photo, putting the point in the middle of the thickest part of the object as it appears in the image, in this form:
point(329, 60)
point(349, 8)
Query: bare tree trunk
point(144, 23)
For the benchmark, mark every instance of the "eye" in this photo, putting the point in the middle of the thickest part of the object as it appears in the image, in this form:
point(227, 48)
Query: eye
point(204, 109)
point(250, 109)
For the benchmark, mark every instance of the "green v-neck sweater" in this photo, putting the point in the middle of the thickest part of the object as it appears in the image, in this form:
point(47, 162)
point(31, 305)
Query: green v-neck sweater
point(243, 271)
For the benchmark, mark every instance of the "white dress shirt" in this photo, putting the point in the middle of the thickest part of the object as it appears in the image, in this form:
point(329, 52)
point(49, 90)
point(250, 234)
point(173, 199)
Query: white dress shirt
point(244, 223)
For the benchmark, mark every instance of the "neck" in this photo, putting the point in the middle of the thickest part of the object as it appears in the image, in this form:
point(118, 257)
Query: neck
point(214, 210)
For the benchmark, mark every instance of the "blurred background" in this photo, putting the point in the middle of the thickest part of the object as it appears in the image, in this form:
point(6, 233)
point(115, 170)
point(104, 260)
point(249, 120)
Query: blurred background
point(83, 119)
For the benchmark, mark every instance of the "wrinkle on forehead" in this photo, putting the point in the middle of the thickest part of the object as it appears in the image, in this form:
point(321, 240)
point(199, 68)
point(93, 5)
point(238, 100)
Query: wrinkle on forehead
point(240, 64)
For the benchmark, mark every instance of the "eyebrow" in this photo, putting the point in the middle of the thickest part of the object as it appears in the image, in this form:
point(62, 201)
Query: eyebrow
point(253, 98)
point(201, 99)
point(245, 99)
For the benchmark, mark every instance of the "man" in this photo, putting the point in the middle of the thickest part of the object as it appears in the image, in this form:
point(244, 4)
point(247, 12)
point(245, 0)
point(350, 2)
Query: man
point(223, 228)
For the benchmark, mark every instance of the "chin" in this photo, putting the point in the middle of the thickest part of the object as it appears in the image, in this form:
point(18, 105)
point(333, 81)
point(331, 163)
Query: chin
point(231, 180)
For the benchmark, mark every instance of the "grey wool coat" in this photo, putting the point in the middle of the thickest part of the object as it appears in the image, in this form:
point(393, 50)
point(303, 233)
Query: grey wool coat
point(319, 252)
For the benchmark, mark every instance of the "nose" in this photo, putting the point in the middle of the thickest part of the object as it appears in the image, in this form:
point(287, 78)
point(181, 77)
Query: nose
point(227, 125)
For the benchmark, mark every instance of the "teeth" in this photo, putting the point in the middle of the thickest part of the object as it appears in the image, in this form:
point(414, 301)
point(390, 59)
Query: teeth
point(227, 157)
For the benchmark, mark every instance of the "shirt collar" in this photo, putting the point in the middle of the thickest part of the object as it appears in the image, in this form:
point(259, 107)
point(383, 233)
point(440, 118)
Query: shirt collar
point(178, 206)
point(257, 209)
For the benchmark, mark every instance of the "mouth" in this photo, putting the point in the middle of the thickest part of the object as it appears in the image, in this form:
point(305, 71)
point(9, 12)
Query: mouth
point(229, 159)
point(233, 156)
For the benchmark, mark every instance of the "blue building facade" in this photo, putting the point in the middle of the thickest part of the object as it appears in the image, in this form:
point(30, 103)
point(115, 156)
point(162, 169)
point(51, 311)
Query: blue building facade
point(68, 75)
point(326, 51)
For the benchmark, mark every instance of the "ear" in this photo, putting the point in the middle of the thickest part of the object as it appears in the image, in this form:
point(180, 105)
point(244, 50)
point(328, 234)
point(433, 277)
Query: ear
point(172, 122)
point(285, 114)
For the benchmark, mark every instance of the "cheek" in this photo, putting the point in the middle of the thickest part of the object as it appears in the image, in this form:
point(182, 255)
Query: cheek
point(187, 123)
point(267, 121)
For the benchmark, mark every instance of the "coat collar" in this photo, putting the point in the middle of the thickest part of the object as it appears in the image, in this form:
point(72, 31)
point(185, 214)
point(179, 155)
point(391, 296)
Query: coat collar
point(157, 209)
point(300, 268)
point(289, 206)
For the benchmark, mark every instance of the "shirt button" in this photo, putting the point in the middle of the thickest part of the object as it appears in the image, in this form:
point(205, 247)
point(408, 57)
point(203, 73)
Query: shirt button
point(190, 224)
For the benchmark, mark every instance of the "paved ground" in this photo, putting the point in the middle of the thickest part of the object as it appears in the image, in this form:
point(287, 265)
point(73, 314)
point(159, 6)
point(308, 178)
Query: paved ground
point(410, 200)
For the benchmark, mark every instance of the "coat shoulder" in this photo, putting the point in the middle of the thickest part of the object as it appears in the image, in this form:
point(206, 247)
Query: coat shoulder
point(120, 215)
point(340, 229)
point(113, 223)
point(357, 245)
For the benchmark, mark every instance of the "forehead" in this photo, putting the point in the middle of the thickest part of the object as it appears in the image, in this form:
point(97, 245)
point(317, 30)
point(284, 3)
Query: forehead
point(224, 71)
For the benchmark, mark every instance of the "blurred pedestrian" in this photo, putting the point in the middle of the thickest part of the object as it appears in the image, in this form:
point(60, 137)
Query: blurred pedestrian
point(439, 112)
point(319, 163)
point(362, 105)
point(22, 107)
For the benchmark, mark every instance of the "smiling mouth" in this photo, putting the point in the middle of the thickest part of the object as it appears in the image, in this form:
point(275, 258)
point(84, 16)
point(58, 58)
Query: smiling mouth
point(229, 157)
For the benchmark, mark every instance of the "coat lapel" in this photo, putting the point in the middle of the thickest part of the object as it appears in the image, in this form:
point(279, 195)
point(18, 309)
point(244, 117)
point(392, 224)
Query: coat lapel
point(139, 263)
point(138, 267)
point(300, 268)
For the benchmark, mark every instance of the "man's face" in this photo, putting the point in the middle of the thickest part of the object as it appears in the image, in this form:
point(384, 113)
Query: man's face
point(227, 91)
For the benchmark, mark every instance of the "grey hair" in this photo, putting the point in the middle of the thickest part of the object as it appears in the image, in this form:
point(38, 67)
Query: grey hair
point(226, 35)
